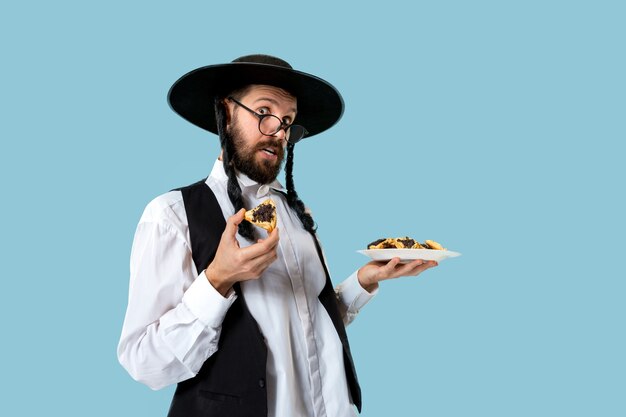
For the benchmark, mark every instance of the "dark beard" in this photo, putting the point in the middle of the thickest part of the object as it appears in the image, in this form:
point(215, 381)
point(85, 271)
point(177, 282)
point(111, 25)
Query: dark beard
point(244, 157)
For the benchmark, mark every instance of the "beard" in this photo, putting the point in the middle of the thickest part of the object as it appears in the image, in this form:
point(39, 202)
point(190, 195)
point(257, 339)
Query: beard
point(244, 157)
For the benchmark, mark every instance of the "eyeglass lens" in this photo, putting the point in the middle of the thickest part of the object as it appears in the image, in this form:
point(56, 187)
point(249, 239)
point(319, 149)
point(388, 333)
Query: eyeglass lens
point(270, 125)
point(295, 133)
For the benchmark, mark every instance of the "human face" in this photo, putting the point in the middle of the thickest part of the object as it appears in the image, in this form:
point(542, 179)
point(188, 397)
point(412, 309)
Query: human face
point(259, 156)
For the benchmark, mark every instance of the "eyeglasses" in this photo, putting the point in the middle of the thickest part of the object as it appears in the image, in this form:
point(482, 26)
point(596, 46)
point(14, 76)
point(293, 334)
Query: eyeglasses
point(270, 125)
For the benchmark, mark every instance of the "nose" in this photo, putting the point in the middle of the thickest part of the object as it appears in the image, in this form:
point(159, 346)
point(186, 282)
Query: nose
point(281, 135)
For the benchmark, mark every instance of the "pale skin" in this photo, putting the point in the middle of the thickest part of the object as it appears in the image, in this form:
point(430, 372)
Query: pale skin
point(234, 264)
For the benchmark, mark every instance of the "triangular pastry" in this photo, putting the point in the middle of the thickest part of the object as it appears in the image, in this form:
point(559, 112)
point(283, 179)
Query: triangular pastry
point(263, 215)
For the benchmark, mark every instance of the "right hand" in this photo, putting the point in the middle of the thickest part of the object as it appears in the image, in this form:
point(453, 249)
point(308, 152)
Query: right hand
point(233, 263)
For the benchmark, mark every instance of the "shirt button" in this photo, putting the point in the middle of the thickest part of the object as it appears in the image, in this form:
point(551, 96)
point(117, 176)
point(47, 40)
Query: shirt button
point(261, 383)
point(263, 191)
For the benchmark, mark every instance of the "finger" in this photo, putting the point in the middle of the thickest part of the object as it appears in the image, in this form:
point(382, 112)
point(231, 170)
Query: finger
point(418, 269)
point(233, 222)
point(273, 236)
point(232, 225)
point(411, 266)
point(263, 262)
point(395, 269)
point(389, 269)
point(238, 217)
point(261, 256)
point(257, 266)
point(263, 247)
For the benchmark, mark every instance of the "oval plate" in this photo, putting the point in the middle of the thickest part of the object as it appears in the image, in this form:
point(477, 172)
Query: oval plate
point(408, 255)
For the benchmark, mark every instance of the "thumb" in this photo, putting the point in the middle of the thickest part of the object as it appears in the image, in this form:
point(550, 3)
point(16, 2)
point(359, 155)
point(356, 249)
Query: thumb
point(233, 222)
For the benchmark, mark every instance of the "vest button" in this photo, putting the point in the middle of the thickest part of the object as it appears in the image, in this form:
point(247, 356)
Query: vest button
point(261, 383)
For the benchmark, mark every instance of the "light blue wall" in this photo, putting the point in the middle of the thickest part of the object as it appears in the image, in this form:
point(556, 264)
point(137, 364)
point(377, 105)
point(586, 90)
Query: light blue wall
point(496, 128)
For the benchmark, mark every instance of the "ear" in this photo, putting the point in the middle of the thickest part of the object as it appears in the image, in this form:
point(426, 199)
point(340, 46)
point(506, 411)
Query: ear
point(228, 110)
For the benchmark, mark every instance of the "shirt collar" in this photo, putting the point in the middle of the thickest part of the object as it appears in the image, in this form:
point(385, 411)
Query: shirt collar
point(244, 181)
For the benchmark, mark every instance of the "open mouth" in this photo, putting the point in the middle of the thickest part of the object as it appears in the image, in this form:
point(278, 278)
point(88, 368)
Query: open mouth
point(269, 151)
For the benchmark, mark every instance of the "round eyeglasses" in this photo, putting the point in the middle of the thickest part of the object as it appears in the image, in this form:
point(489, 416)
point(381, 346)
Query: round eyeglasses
point(270, 125)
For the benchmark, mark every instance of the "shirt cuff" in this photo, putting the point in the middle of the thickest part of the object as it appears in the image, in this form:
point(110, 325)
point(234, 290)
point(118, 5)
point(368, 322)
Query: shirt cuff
point(206, 303)
point(353, 295)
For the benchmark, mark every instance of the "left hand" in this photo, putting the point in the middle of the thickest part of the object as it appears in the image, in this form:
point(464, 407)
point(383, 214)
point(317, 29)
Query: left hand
point(372, 273)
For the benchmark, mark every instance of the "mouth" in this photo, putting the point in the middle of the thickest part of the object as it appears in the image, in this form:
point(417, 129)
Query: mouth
point(269, 152)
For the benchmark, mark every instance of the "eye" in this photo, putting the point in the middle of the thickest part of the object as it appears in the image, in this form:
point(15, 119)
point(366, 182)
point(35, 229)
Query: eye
point(287, 120)
point(263, 110)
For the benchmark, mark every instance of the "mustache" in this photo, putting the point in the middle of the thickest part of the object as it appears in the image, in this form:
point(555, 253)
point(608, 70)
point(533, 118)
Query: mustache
point(274, 144)
point(270, 142)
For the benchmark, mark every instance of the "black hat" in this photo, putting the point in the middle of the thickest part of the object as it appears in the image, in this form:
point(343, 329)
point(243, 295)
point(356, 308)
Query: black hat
point(320, 105)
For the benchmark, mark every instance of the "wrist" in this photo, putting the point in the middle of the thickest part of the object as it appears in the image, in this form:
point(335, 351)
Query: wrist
point(367, 285)
point(220, 285)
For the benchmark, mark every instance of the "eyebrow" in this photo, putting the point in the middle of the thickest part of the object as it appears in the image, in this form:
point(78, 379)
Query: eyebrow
point(274, 102)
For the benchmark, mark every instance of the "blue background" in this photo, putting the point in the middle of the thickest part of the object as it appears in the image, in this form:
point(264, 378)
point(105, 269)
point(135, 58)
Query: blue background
point(496, 128)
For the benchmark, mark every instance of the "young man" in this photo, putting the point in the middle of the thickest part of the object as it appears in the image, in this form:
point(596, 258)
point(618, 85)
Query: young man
point(247, 323)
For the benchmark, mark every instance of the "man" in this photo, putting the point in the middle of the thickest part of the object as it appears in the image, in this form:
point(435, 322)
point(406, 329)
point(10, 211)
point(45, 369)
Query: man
point(247, 323)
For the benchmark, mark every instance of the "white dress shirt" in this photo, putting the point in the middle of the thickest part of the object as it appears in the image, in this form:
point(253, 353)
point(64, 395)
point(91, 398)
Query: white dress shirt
point(174, 314)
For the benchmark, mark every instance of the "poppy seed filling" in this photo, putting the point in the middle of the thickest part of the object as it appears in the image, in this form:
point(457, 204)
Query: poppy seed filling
point(376, 242)
point(408, 243)
point(264, 213)
point(404, 243)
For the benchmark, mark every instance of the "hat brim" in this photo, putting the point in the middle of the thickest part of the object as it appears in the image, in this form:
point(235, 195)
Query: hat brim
point(320, 105)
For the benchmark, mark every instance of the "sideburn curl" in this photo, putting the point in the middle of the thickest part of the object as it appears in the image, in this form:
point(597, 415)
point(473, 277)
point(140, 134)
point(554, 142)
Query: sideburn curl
point(293, 200)
point(246, 229)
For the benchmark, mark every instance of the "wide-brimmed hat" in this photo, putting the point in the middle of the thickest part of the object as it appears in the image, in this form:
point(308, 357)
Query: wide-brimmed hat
point(192, 96)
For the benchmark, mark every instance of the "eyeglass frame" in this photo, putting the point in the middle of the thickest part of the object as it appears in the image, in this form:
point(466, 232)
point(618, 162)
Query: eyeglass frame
point(283, 126)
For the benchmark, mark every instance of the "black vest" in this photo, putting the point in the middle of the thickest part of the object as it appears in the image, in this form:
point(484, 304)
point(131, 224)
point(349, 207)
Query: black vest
point(232, 381)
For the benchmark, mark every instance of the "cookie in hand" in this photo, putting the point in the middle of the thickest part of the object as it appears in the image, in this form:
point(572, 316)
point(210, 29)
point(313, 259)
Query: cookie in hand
point(263, 215)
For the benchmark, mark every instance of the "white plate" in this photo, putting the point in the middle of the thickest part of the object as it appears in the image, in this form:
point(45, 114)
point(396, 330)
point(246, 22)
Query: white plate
point(407, 255)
